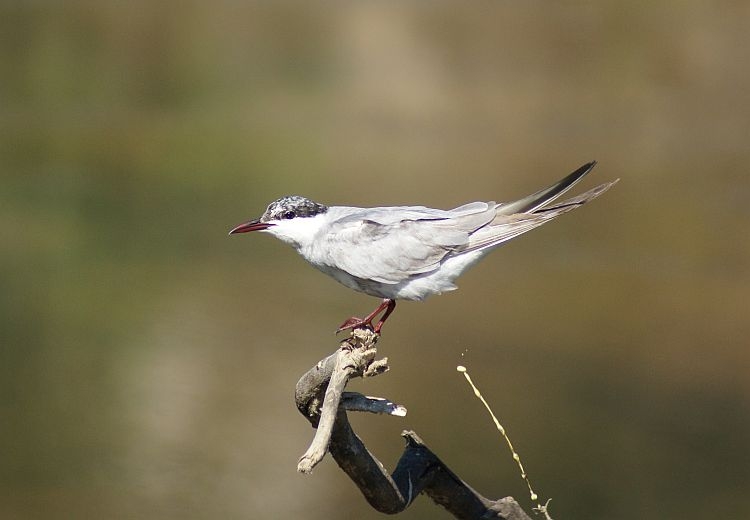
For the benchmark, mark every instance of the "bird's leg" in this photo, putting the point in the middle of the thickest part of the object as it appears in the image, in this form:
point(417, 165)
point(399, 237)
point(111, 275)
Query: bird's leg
point(390, 305)
point(354, 322)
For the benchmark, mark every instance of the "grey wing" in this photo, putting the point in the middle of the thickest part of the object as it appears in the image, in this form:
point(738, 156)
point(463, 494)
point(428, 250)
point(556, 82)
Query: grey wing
point(389, 245)
point(382, 245)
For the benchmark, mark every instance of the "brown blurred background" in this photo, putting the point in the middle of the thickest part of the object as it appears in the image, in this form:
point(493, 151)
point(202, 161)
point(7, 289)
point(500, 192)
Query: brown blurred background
point(148, 360)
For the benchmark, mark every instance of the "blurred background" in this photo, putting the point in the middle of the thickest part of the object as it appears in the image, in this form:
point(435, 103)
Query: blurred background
point(148, 360)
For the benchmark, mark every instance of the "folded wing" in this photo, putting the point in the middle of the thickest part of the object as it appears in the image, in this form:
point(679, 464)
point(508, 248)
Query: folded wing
point(393, 244)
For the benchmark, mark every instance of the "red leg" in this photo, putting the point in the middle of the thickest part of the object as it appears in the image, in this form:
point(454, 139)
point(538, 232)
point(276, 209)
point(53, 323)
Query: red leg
point(390, 306)
point(386, 305)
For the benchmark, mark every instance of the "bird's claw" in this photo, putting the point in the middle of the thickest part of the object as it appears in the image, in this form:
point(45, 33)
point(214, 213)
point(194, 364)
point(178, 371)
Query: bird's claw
point(386, 305)
point(355, 323)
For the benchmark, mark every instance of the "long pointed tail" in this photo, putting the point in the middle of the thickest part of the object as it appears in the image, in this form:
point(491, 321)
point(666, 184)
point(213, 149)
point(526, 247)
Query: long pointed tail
point(545, 196)
point(506, 226)
point(562, 207)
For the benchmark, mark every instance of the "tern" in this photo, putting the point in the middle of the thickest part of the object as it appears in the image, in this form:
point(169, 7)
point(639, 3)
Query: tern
point(408, 252)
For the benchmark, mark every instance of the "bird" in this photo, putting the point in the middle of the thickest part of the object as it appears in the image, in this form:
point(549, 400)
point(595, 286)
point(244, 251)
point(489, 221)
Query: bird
point(408, 252)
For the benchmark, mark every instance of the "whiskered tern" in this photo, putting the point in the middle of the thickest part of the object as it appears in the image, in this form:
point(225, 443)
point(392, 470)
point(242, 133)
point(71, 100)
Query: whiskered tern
point(408, 252)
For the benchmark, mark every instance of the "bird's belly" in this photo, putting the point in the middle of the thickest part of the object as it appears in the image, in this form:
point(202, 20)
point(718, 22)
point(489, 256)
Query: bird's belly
point(371, 287)
point(438, 281)
point(416, 287)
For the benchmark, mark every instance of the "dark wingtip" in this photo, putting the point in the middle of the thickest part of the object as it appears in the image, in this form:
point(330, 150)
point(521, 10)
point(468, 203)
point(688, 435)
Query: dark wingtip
point(545, 196)
point(583, 170)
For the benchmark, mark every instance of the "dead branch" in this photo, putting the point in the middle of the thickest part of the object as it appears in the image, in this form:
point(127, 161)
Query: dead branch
point(321, 398)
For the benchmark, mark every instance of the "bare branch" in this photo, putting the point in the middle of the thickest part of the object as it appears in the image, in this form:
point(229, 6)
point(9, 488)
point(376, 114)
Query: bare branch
point(320, 397)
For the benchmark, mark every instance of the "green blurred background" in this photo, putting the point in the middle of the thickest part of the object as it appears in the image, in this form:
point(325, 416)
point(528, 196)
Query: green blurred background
point(148, 360)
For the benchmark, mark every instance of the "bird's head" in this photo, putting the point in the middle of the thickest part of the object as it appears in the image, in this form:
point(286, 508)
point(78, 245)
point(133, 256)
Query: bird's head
point(290, 219)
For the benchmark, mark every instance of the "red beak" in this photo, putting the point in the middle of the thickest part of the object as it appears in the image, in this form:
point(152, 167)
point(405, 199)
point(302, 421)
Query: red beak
point(253, 225)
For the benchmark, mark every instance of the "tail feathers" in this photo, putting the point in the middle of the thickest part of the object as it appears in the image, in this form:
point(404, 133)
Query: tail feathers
point(507, 227)
point(572, 203)
point(545, 196)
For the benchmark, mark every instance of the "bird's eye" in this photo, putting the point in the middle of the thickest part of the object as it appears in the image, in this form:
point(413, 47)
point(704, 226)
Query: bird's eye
point(289, 215)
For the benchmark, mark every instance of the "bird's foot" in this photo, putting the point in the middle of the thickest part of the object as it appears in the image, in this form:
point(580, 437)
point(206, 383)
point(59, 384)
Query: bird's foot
point(387, 305)
point(355, 323)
